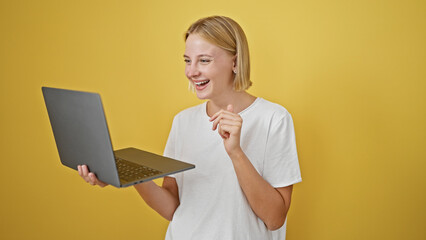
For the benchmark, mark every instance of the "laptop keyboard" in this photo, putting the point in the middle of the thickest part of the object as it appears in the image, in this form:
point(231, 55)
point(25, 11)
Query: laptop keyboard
point(129, 171)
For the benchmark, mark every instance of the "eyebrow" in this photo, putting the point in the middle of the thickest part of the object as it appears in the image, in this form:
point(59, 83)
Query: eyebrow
point(201, 55)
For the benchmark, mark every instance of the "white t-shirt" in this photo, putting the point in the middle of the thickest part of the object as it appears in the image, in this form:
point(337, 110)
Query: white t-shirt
point(212, 204)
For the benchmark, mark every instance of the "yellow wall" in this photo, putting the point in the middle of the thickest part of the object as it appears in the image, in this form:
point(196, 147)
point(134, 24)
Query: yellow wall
point(352, 73)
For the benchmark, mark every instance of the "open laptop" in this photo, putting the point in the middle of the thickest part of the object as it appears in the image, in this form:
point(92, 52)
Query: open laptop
point(82, 137)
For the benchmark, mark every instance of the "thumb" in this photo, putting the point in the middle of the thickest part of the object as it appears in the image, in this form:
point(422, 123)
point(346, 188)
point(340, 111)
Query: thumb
point(230, 108)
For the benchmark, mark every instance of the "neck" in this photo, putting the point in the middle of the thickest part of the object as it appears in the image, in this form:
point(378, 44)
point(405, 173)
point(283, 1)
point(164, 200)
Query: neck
point(239, 100)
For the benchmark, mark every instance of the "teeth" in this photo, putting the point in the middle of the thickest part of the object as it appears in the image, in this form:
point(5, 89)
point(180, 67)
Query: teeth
point(200, 83)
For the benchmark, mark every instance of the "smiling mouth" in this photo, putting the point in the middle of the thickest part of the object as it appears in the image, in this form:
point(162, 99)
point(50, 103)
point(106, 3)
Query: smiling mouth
point(202, 83)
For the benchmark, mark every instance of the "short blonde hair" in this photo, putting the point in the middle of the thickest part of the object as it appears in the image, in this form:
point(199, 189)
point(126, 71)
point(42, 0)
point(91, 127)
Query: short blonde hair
point(228, 35)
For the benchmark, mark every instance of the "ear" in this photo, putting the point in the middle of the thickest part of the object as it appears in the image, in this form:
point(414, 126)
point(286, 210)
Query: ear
point(234, 63)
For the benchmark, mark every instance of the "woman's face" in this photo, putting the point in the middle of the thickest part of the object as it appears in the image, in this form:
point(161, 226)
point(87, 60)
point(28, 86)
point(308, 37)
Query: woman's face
point(208, 67)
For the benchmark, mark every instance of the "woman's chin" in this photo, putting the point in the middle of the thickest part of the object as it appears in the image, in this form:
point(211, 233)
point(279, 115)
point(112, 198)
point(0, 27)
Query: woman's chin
point(203, 93)
point(202, 96)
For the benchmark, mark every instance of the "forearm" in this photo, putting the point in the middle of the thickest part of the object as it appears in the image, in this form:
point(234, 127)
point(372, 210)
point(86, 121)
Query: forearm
point(158, 198)
point(266, 202)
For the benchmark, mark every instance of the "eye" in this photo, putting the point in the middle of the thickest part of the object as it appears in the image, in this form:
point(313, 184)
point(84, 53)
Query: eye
point(205, 60)
point(187, 60)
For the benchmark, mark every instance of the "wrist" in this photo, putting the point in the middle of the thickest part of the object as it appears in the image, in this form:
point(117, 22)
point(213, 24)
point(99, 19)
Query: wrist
point(236, 154)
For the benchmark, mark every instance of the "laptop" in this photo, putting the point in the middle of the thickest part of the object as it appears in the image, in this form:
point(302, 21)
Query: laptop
point(82, 137)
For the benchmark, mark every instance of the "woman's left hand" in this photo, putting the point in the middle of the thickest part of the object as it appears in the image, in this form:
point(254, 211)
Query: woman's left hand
point(228, 125)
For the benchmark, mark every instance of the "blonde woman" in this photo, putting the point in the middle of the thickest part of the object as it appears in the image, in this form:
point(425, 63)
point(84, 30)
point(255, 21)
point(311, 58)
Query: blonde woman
point(243, 147)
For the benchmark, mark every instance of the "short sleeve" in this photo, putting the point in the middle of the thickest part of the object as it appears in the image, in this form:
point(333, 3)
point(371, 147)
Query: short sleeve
point(281, 164)
point(170, 149)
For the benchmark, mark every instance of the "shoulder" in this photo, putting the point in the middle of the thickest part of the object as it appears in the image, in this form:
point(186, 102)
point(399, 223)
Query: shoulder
point(273, 111)
point(272, 107)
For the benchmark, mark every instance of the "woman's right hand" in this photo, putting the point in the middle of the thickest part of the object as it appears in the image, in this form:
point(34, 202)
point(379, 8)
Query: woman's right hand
point(89, 177)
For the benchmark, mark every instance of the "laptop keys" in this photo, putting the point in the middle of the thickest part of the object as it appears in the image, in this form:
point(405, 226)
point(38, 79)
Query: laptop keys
point(129, 171)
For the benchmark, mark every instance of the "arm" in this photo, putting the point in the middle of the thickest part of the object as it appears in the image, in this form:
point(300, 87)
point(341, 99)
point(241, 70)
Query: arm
point(163, 200)
point(268, 203)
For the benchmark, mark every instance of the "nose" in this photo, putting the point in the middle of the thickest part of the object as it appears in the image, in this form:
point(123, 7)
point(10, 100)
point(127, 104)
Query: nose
point(192, 71)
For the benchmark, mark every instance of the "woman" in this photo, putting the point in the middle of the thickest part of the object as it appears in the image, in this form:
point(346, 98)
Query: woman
point(243, 147)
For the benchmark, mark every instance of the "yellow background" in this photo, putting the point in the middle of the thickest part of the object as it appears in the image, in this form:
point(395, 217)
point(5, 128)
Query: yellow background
point(352, 73)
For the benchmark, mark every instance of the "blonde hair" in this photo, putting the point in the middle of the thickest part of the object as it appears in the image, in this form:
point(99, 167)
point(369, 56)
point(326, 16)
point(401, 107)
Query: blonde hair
point(228, 35)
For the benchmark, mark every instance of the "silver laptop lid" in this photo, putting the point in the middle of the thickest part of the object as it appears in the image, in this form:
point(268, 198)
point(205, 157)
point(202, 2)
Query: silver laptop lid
point(81, 132)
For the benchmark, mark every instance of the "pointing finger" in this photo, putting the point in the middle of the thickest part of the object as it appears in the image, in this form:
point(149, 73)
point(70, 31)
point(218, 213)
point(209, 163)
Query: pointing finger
point(230, 108)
